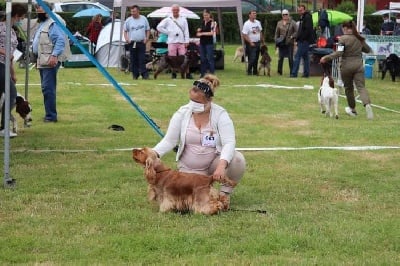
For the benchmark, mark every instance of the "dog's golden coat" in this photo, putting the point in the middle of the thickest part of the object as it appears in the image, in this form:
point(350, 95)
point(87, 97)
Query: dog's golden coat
point(178, 191)
point(239, 53)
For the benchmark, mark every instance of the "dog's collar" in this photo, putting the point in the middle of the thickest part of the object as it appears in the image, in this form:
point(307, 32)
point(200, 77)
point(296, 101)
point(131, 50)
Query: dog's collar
point(164, 170)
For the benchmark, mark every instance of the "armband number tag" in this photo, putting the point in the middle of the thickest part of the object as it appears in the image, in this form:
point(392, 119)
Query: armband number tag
point(340, 48)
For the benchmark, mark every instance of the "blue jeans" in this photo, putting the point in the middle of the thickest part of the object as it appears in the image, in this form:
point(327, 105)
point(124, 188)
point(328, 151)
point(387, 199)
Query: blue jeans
point(138, 60)
point(13, 92)
point(48, 79)
point(302, 52)
point(253, 53)
point(207, 59)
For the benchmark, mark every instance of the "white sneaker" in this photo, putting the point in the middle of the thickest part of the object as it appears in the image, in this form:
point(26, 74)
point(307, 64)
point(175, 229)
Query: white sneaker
point(370, 114)
point(350, 112)
point(12, 134)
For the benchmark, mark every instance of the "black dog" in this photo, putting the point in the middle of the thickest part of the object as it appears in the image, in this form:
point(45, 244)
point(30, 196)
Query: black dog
point(391, 63)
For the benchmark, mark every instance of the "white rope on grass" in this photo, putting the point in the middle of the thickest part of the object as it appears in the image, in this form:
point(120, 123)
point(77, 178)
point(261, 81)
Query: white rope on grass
point(249, 149)
point(375, 105)
point(304, 87)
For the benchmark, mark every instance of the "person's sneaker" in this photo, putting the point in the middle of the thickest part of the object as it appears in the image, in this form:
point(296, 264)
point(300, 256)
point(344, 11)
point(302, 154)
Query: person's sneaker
point(45, 120)
point(350, 111)
point(370, 114)
point(12, 134)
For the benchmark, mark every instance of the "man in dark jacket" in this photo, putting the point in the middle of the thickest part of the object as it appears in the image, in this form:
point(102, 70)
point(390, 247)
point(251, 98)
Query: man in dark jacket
point(305, 37)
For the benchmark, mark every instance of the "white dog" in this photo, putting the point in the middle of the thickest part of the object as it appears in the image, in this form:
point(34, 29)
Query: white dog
point(328, 97)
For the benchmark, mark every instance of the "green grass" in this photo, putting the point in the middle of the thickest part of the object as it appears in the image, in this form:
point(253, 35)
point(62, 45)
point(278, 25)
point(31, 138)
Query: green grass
point(80, 201)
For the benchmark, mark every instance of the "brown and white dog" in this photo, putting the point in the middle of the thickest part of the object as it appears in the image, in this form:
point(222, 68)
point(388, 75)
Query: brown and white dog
point(239, 54)
point(265, 61)
point(178, 191)
point(328, 97)
point(23, 108)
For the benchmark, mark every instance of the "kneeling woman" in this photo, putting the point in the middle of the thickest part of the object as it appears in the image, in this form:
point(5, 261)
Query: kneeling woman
point(205, 135)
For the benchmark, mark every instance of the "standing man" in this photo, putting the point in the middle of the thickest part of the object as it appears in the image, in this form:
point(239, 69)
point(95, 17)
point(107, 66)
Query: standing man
point(177, 29)
point(51, 47)
point(252, 35)
point(305, 37)
point(136, 34)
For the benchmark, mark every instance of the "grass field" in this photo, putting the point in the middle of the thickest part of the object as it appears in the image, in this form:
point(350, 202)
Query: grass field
point(81, 200)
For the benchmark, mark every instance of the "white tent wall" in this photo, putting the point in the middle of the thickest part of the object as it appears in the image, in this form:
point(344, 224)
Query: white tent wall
point(106, 47)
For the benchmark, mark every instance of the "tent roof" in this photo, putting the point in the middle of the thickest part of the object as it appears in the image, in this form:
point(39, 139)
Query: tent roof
point(185, 3)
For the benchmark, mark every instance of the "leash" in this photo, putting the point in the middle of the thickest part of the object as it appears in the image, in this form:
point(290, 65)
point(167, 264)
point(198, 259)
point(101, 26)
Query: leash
point(102, 70)
point(247, 210)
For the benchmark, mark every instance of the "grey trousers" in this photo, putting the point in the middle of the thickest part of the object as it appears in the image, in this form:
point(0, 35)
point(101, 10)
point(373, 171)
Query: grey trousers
point(234, 171)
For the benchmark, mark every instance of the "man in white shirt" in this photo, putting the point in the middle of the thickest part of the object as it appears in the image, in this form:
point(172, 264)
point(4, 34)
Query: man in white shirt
point(253, 36)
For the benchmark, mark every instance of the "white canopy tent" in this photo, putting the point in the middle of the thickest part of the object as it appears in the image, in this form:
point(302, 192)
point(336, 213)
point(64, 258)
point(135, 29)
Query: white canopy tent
point(124, 4)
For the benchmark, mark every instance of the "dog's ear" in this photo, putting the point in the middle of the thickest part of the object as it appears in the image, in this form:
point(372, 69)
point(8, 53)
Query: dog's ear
point(149, 171)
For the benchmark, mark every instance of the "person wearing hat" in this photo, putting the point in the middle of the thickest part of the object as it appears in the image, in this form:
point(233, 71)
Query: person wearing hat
point(285, 28)
point(205, 135)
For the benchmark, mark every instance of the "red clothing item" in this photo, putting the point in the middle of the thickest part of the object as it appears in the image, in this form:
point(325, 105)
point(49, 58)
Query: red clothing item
point(93, 30)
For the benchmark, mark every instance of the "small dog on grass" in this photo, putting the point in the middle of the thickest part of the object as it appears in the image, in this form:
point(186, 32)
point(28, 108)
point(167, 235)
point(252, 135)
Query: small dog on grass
point(265, 61)
point(23, 108)
point(177, 191)
point(239, 54)
point(328, 97)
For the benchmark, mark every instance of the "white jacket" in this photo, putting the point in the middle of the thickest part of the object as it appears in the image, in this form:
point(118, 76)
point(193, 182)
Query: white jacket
point(176, 29)
point(220, 122)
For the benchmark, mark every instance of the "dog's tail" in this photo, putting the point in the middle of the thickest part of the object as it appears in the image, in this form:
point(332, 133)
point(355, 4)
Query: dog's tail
point(225, 180)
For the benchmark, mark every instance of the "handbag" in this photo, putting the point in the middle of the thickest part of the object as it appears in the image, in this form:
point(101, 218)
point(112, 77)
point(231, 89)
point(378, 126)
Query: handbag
point(281, 41)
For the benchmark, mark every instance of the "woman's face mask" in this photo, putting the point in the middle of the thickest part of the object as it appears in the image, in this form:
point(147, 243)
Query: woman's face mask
point(196, 107)
point(18, 24)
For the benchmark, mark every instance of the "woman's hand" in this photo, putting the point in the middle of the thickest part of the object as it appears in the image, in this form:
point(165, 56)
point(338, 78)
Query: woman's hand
point(220, 170)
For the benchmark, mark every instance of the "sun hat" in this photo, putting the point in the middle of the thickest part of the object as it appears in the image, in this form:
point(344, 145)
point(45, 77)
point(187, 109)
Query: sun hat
point(285, 12)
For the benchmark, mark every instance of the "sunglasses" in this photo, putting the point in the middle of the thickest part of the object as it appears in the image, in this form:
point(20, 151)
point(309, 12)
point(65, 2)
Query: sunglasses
point(204, 87)
point(285, 14)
